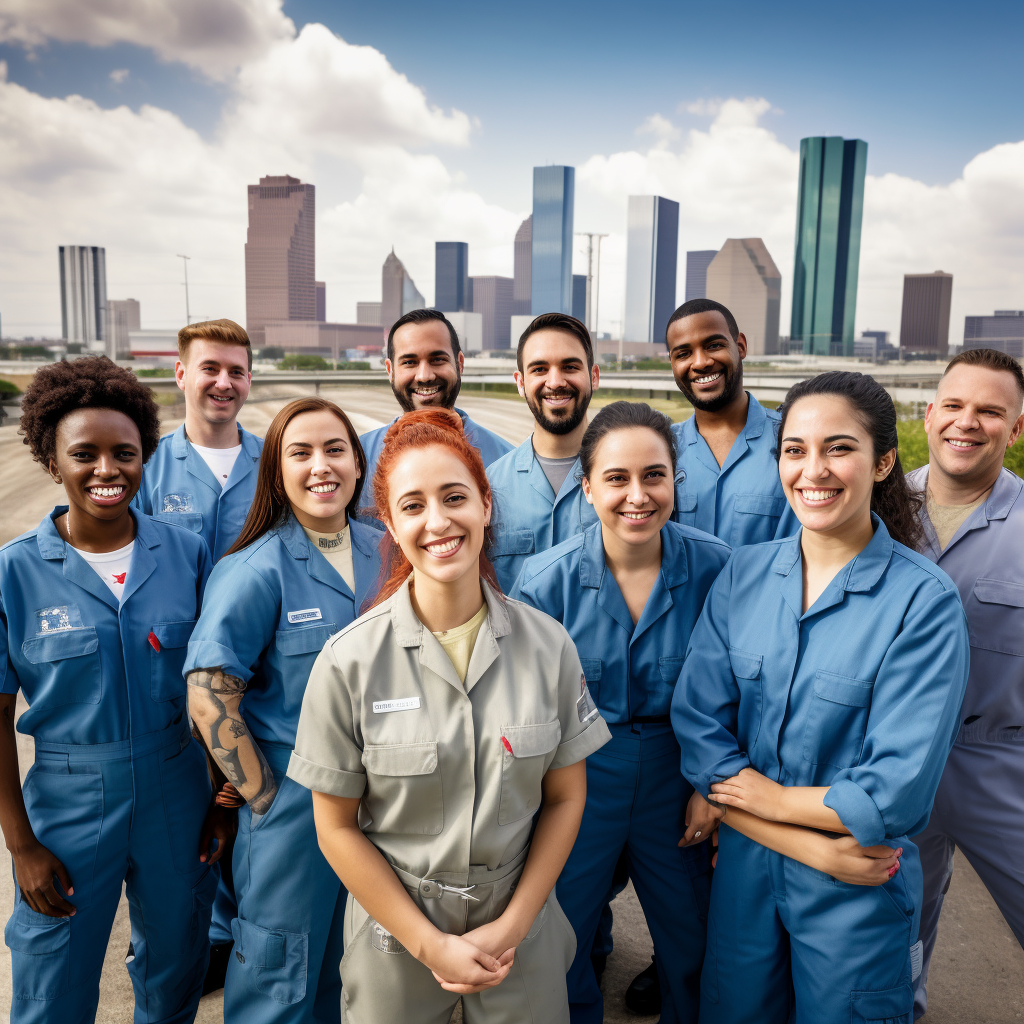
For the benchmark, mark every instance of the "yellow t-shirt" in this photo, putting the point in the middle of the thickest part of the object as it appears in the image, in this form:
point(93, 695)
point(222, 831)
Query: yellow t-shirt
point(458, 643)
point(337, 549)
point(947, 519)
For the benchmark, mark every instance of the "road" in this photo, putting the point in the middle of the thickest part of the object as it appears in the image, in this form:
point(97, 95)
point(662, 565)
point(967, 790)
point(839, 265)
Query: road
point(978, 969)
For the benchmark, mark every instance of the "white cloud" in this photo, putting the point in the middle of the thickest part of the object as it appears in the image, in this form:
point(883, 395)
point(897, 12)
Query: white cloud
point(213, 36)
point(119, 76)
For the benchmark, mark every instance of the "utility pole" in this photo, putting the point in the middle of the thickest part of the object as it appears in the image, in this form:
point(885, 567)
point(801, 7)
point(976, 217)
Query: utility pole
point(184, 263)
point(592, 288)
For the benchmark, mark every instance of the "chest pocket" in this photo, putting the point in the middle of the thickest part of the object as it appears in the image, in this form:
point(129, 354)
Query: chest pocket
point(304, 639)
point(670, 669)
point(757, 518)
point(999, 624)
point(685, 511)
point(746, 668)
point(512, 542)
point(533, 748)
point(189, 520)
point(592, 673)
point(837, 720)
point(66, 668)
point(403, 789)
point(167, 682)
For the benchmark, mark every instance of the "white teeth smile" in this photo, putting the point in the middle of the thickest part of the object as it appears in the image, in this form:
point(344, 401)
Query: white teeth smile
point(444, 547)
point(709, 379)
point(426, 392)
point(959, 442)
point(324, 488)
point(106, 492)
point(638, 515)
point(818, 495)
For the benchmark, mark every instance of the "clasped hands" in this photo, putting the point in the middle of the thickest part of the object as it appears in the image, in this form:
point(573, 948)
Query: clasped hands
point(478, 960)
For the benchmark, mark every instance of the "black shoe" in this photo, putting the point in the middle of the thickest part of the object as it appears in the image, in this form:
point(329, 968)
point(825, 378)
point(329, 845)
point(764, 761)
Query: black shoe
point(644, 993)
point(218, 968)
point(600, 961)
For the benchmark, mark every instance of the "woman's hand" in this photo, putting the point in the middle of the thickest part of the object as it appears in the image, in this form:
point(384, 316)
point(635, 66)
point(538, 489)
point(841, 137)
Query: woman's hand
point(221, 824)
point(34, 869)
point(228, 796)
point(862, 865)
point(751, 791)
point(496, 938)
point(458, 965)
point(702, 819)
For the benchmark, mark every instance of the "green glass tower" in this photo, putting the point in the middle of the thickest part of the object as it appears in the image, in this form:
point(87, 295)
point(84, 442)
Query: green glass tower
point(828, 217)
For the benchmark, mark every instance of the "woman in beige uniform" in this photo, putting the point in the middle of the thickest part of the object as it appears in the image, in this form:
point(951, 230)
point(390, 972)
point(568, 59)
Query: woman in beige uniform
point(444, 735)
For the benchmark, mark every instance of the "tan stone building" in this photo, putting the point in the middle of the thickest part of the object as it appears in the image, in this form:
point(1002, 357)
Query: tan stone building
point(743, 277)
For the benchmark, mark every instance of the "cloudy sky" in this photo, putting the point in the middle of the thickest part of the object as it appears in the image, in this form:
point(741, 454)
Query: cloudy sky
point(136, 125)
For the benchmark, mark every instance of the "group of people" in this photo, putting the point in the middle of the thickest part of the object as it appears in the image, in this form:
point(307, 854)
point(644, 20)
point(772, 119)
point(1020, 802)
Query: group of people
point(366, 726)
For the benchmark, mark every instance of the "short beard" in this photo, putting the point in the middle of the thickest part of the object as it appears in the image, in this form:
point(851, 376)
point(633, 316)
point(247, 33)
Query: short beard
point(447, 396)
point(566, 425)
point(733, 383)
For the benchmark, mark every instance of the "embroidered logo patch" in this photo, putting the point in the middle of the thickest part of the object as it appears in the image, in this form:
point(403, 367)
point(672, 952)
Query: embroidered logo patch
point(400, 704)
point(177, 503)
point(585, 705)
point(305, 615)
point(58, 618)
point(383, 940)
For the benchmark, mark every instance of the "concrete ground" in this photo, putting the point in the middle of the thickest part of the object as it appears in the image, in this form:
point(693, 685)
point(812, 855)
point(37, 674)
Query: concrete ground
point(977, 971)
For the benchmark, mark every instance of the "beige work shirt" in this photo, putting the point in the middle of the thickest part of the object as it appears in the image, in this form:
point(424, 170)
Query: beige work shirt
point(385, 718)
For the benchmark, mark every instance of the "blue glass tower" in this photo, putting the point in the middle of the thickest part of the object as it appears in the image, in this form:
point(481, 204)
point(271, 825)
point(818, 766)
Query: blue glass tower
point(551, 263)
point(579, 296)
point(451, 276)
point(828, 218)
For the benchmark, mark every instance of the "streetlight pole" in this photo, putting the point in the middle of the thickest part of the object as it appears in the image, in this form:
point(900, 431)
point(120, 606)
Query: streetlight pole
point(184, 263)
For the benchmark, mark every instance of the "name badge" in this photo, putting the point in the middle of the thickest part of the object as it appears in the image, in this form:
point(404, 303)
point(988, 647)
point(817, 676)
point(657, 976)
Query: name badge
point(305, 615)
point(401, 704)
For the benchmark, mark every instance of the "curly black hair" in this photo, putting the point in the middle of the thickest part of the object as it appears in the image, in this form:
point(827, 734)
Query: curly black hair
point(90, 383)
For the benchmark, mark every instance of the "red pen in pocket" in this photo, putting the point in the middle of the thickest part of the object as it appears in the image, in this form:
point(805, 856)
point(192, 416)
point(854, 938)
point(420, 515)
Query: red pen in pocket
point(508, 746)
point(153, 642)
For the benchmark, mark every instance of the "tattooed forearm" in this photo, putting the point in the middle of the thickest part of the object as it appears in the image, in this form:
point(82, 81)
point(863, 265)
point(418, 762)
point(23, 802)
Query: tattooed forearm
point(214, 699)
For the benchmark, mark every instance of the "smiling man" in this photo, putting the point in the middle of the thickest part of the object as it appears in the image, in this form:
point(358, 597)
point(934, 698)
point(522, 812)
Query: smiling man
point(424, 363)
point(973, 519)
point(727, 480)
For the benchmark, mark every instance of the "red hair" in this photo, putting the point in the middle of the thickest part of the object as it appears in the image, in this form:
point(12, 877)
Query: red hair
point(423, 428)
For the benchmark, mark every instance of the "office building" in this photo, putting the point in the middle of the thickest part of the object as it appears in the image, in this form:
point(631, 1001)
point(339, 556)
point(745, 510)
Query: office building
point(451, 276)
point(924, 326)
point(492, 299)
point(517, 326)
point(321, 300)
point(579, 296)
point(697, 262)
point(83, 296)
point(123, 315)
point(330, 341)
point(523, 259)
point(469, 328)
point(551, 248)
point(156, 347)
point(652, 243)
point(830, 203)
point(743, 277)
point(874, 345)
point(279, 254)
point(368, 313)
point(399, 293)
point(1003, 330)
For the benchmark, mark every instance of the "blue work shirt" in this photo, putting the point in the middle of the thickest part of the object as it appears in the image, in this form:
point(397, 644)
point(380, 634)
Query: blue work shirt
point(178, 487)
point(91, 670)
point(631, 669)
point(741, 501)
point(985, 559)
point(490, 446)
point(860, 693)
point(269, 610)
point(529, 517)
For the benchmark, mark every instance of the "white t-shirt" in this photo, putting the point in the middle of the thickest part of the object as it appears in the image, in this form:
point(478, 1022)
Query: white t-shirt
point(111, 566)
point(220, 460)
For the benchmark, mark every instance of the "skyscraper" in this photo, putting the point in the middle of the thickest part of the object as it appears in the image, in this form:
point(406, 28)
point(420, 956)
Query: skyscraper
point(652, 243)
point(1003, 330)
point(122, 317)
point(579, 296)
point(321, 300)
point(551, 251)
point(83, 295)
point(492, 298)
point(697, 262)
point(828, 218)
point(743, 277)
point(924, 326)
point(279, 254)
point(399, 293)
point(523, 259)
point(451, 277)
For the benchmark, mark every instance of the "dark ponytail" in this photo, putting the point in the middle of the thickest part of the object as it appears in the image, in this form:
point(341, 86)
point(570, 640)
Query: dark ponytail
point(891, 499)
point(623, 416)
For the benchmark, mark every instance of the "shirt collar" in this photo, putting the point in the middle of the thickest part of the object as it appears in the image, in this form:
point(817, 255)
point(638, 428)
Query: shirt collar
point(179, 442)
point(409, 630)
point(674, 567)
point(757, 418)
point(52, 545)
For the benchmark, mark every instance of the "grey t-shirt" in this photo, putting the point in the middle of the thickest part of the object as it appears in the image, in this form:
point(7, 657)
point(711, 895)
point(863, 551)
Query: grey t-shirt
point(556, 470)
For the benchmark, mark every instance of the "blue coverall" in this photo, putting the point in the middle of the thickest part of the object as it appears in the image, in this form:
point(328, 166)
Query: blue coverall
point(980, 802)
point(119, 789)
point(636, 796)
point(269, 609)
point(742, 502)
point(861, 693)
point(490, 446)
point(529, 517)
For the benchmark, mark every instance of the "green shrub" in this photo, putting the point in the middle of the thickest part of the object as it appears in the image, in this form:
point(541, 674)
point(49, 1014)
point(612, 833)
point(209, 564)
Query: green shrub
point(8, 388)
point(298, 361)
point(156, 371)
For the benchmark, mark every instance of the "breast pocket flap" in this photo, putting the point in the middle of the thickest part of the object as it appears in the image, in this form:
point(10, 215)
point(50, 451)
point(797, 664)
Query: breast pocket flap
point(686, 503)
point(189, 520)
point(174, 634)
point(513, 542)
point(761, 504)
point(401, 758)
point(591, 669)
point(671, 667)
point(744, 664)
point(1000, 592)
point(532, 740)
point(68, 643)
point(854, 693)
point(305, 639)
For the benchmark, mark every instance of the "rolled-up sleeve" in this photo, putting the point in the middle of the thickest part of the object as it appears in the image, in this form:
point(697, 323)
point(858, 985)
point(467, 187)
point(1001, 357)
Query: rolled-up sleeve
point(583, 728)
point(913, 721)
point(327, 757)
